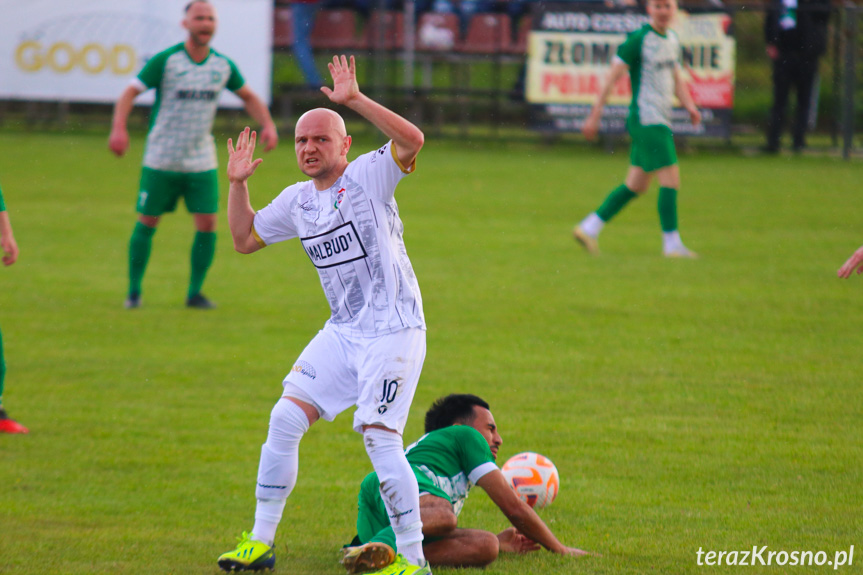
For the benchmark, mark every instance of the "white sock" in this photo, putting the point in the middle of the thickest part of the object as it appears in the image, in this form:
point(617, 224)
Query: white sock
point(279, 466)
point(268, 513)
point(671, 240)
point(592, 225)
point(399, 490)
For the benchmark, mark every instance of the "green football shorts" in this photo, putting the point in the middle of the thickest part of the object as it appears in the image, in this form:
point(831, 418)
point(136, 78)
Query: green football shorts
point(652, 146)
point(160, 191)
point(372, 517)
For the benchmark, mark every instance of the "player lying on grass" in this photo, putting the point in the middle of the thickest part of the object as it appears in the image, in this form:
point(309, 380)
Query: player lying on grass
point(457, 451)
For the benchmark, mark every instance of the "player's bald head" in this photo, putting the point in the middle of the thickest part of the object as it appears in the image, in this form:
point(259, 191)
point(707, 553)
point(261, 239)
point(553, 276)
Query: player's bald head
point(192, 3)
point(322, 119)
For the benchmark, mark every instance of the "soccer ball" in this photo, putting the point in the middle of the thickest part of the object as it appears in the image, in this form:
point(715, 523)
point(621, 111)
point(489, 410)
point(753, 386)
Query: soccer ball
point(533, 477)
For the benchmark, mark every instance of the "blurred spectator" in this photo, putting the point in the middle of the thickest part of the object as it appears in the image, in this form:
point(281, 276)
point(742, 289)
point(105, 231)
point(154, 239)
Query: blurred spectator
point(464, 9)
point(304, 12)
point(796, 36)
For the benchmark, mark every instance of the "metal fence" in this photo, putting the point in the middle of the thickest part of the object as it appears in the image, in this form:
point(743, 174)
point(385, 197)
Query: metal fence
point(478, 92)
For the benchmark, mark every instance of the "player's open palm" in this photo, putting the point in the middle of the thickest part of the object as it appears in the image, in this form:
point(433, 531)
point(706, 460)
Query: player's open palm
point(345, 86)
point(241, 162)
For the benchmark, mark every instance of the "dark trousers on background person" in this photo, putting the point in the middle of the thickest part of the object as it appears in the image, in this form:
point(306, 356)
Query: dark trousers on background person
point(797, 71)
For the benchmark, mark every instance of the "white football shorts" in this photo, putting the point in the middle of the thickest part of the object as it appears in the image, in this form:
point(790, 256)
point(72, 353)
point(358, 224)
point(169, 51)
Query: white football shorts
point(377, 374)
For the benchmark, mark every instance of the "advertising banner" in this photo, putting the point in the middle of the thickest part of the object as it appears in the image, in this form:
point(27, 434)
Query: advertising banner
point(570, 50)
point(88, 50)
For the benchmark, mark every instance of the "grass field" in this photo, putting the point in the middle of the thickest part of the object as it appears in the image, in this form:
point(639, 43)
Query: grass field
point(710, 404)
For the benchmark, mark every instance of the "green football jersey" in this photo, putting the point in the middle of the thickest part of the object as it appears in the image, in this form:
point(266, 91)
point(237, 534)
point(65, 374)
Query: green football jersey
point(453, 459)
point(652, 59)
point(187, 96)
point(2, 204)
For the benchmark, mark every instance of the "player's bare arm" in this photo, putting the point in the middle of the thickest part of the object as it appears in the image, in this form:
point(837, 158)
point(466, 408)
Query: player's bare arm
point(408, 138)
point(521, 515)
point(591, 124)
point(258, 110)
point(7, 240)
point(681, 90)
point(241, 166)
point(118, 141)
point(854, 262)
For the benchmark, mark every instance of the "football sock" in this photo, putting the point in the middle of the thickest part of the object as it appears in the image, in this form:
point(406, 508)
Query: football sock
point(399, 490)
point(667, 205)
point(203, 250)
point(592, 225)
point(277, 472)
point(671, 241)
point(139, 254)
point(615, 202)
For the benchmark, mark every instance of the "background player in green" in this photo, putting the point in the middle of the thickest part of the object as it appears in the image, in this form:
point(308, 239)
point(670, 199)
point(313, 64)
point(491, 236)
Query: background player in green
point(458, 450)
point(651, 56)
point(10, 254)
point(180, 157)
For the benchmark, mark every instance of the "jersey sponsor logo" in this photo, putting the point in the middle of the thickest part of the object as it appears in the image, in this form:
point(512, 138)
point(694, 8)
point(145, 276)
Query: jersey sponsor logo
point(305, 368)
point(205, 95)
point(335, 247)
point(339, 197)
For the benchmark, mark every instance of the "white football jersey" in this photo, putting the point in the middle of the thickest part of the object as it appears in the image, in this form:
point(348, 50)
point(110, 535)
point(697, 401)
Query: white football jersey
point(352, 234)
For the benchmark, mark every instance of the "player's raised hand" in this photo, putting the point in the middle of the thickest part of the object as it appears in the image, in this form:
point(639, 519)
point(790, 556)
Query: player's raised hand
point(854, 262)
point(241, 162)
point(345, 86)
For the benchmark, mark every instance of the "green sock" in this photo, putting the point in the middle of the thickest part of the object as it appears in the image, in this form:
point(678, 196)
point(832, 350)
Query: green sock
point(203, 250)
point(615, 202)
point(139, 254)
point(667, 205)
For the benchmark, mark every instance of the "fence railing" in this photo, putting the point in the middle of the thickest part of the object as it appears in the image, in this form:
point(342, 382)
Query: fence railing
point(465, 76)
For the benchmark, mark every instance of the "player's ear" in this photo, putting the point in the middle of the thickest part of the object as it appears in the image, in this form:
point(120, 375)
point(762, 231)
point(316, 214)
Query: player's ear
point(346, 146)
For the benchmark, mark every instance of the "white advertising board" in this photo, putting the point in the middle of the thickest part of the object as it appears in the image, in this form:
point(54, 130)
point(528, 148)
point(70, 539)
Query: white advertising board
point(88, 50)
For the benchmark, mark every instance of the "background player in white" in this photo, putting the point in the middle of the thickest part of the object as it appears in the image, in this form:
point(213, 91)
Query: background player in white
point(458, 450)
point(370, 352)
point(180, 158)
point(651, 55)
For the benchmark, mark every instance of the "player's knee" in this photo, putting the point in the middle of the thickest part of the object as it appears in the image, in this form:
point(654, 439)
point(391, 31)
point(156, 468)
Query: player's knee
point(205, 222)
point(438, 524)
point(487, 549)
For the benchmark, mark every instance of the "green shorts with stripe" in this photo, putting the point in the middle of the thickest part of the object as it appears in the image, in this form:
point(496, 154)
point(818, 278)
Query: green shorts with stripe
point(652, 146)
point(160, 191)
point(372, 517)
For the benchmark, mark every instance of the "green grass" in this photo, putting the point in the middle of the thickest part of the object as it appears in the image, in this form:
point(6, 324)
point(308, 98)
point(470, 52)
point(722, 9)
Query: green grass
point(707, 404)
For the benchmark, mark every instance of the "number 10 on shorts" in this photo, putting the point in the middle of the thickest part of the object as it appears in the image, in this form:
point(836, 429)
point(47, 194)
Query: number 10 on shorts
point(389, 390)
